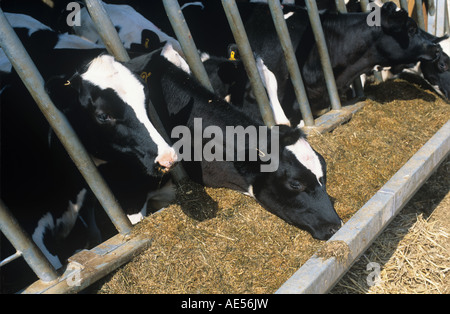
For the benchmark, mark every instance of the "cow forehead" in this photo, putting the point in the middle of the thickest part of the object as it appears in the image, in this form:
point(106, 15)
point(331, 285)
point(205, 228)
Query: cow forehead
point(307, 157)
point(106, 73)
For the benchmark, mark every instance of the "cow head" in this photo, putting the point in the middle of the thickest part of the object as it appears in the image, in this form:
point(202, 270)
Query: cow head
point(106, 105)
point(406, 42)
point(437, 73)
point(296, 190)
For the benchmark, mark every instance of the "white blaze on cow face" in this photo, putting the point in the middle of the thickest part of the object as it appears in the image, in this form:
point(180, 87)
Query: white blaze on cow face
point(307, 157)
point(104, 72)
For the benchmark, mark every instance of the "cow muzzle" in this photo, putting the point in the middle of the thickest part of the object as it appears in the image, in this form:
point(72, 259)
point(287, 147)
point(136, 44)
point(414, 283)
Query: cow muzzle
point(166, 161)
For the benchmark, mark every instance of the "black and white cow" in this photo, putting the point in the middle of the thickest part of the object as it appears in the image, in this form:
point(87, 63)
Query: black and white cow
point(106, 104)
point(354, 48)
point(437, 72)
point(98, 94)
point(135, 31)
point(294, 191)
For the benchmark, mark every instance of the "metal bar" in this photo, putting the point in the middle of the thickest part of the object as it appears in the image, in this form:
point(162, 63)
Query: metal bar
point(318, 275)
point(323, 53)
point(10, 258)
point(291, 61)
point(114, 45)
point(184, 36)
point(340, 5)
point(446, 19)
point(88, 266)
point(403, 5)
point(23, 244)
point(365, 4)
point(357, 85)
point(420, 17)
point(246, 54)
point(106, 30)
point(365, 8)
point(34, 82)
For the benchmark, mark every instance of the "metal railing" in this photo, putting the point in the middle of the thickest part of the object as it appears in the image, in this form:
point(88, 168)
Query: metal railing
point(28, 72)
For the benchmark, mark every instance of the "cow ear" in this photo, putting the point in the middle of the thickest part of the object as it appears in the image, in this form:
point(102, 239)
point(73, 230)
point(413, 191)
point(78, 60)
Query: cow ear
point(63, 91)
point(437, 40)
point(289, 135)
point(393, 21)
point(139, 64)
point(229, 71)
point(150, 41)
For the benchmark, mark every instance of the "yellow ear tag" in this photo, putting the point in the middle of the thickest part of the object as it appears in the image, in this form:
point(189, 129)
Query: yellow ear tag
point(147, 41)
point(67, 83)
point(145, 75)
point(232, 58)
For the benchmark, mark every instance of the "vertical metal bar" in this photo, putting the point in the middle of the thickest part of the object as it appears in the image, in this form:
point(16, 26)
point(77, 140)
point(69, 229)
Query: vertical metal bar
point(34, 82)
point(432, 25)
point(291, 61)
point(184, 36)
point(246, 54)
point(365, 8)
point(403, 5)
point(365, 4)
point(357, 85)
point(323, 53)
point(446, 19)
point(420, 17)
point(106, 30)
point(340, 5)
point(23, 244)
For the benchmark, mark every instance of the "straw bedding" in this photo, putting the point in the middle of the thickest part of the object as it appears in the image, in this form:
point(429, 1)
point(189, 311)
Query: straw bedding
point(414, 250)
point(219, 241)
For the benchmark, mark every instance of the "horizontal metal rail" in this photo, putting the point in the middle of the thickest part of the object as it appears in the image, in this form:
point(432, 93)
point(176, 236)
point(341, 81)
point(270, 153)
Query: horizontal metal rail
point(319, 275)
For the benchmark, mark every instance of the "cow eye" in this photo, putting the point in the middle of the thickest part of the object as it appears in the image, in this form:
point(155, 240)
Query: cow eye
point(104, 117)
point(296, 185)
point(443, 67)
point(412, 30)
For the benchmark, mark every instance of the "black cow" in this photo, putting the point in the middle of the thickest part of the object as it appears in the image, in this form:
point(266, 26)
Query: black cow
point(294, 191)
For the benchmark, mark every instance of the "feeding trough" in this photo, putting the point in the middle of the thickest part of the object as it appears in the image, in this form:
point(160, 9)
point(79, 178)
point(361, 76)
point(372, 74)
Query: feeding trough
point(88, 266)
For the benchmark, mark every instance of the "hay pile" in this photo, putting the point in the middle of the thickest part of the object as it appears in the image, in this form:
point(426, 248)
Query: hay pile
point(245, 249)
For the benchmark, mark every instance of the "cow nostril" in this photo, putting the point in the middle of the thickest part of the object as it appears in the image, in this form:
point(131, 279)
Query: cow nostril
point(165, 167)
